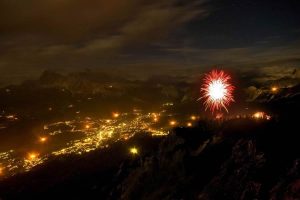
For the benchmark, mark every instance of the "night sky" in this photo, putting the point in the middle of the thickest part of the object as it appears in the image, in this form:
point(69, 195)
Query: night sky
point(147, 36)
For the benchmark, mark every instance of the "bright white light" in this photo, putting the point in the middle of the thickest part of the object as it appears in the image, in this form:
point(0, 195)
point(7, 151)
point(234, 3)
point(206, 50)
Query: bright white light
point(134, 151)
point(217, 90)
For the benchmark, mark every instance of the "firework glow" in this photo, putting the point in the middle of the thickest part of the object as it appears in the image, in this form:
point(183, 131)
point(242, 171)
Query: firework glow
point(217, 91)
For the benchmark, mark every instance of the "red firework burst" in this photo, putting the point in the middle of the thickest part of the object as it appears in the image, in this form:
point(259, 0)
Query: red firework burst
point(217, 90)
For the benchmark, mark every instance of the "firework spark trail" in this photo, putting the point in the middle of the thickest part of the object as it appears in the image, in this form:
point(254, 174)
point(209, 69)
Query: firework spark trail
point(217, 91)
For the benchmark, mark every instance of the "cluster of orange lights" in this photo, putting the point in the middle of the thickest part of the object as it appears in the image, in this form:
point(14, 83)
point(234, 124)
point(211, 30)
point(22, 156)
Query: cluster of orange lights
point(173, 123)
point(155, 117)
point(32, 156)
point(188, 123)
point(274, 89)
point(116, 115)
point(261, 115)
point(193, 117)
point(43, 139)
point(258, 115)
point(134, 151)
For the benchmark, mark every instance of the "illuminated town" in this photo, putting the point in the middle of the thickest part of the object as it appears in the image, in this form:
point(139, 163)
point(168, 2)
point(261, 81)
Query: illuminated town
point(89, 135)
point(85, 135)
point(149, 100)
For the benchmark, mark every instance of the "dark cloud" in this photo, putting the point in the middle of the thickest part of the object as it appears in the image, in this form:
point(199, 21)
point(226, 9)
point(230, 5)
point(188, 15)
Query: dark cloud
point(67, 19)
point(146, 37)
point(90, 25)
point(253, 56)
point(39, 34)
